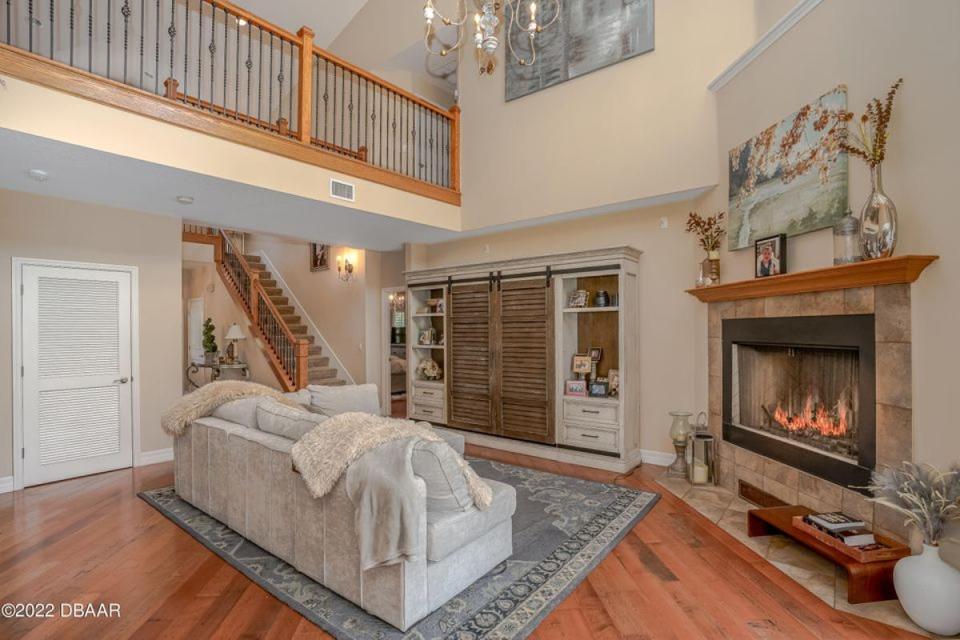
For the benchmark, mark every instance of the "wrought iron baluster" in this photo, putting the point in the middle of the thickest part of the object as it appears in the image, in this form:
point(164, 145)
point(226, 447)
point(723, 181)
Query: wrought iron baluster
point(382, 118)
point(236, 74)
point(172, 32)
point(350, 114)
point(270, 87)
point(280, 79)
point(125, 12)
point(315, 125)
point(333, 137)
point(72, 12)
point(294, 57)
point(8, 21)
point(52, 25)
point(186, 45)
point(30, 25)
point(326, 96)
point(156, 53)
point(143, 14)
point(393, 126)
point(90, 36)
point(200, 55)
point(260, 76)
point(109, 34)
point(213, 51)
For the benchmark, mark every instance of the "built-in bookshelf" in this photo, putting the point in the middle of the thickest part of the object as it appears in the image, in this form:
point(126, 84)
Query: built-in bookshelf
point(426, 341)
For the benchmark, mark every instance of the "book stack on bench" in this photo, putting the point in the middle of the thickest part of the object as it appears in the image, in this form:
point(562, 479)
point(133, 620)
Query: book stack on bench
point(846, 534)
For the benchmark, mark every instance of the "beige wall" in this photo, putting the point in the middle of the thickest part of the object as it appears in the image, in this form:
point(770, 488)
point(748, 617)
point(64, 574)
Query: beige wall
point(637, 129)
point(201, 280)
point(768, 12)
point(667, 318)
point(39, 227)
point(867, 44)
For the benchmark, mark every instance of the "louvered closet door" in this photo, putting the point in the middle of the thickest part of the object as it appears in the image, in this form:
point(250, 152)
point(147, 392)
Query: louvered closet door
point(77, 416)
point(469, 372)
point(526, 360)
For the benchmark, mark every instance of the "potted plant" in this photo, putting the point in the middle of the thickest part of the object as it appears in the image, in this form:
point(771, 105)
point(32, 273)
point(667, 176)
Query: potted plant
point(928, 587)
point(709, 231)
point(209, 342)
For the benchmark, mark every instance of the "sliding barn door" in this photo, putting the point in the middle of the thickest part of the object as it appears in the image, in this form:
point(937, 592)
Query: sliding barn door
point(469, 371)
point(525, 381)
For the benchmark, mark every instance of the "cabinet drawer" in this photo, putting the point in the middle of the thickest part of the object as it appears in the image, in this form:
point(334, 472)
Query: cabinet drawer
point(591, 412)
point(432, 396)
point(590, 438)
point(426, 412)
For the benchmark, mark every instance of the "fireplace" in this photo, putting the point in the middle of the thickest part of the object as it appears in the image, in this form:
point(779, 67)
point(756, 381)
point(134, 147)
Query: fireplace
point(802, 391)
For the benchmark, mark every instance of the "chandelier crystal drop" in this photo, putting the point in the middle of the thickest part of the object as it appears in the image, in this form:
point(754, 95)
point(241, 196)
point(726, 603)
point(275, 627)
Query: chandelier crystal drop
point(524, 20)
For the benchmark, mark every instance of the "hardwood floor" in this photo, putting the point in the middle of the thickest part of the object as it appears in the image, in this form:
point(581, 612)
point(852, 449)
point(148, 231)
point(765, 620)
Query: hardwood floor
point(676, 575)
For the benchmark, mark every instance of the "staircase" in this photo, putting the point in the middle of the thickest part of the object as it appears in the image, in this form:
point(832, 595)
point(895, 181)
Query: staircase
point(284, 338)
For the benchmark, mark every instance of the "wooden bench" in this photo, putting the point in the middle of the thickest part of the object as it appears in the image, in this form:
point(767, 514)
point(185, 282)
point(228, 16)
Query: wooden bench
point(867, 582)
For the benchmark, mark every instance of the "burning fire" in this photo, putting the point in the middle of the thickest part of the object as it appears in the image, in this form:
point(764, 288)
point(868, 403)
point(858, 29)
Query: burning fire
point(820, 420)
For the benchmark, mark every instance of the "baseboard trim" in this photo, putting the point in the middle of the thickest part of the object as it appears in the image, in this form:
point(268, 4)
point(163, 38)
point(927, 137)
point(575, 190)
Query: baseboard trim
point(6, 484)
point(658, 458)
point(582, 458)
point(154, 457)
point(787, 22)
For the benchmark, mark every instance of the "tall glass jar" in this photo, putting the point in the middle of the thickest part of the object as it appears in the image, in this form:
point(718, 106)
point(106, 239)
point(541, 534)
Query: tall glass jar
point(846, 240)
point(878, 220)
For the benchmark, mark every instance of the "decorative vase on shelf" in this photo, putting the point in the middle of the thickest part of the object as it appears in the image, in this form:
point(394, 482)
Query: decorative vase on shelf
point(878, 220)
point(714, 258)
point(929, 591)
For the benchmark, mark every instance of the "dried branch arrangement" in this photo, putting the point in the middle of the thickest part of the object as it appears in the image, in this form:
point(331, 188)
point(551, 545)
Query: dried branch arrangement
point(709, 229)
point(869, 141)
point(928, 497)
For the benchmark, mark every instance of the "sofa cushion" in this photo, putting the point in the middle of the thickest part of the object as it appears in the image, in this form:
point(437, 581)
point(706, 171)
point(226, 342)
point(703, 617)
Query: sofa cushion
point(447, 531)
point(301, 397)
point(282, 420)
point(221, 424)
point(242, 411)
point(437, 464)
point(454, 439)
point(268, 440)
point(332, 401)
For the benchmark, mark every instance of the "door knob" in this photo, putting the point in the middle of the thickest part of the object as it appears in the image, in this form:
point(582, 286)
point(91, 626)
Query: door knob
point(121, 381)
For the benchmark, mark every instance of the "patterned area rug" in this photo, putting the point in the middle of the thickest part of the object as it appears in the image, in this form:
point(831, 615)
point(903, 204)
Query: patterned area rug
point(563, 527)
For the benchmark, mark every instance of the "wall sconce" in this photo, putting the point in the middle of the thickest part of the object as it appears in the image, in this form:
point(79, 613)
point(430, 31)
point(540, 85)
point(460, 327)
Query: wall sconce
point(345, 265)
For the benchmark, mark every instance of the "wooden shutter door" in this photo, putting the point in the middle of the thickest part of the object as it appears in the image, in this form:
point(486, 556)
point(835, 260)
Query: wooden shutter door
point(525, 383)
point(470, 370)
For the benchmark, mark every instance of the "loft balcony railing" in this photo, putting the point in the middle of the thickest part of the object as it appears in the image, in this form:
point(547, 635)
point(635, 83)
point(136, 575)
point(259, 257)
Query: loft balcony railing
point(213, 56)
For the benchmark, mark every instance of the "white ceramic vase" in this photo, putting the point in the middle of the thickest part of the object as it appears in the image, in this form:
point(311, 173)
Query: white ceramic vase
point(929, 591)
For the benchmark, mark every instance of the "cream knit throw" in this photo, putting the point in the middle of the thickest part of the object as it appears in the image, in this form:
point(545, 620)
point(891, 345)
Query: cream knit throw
point(324, 454)
point(207, 398)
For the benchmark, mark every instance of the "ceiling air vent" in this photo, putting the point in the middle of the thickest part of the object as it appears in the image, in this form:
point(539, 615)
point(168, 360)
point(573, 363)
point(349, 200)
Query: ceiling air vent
point(342, 190)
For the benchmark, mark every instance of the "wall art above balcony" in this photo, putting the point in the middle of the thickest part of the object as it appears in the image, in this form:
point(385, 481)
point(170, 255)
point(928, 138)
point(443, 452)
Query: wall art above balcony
point(792, 177)
point(590, 35)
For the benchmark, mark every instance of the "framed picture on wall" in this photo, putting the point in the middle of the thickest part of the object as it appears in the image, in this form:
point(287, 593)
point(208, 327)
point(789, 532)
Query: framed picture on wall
point(319, 257)
point(771, 256)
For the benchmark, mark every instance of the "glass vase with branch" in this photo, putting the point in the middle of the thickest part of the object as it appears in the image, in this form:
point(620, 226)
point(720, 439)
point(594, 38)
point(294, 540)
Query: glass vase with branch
point(709, 231)
point(868, 141)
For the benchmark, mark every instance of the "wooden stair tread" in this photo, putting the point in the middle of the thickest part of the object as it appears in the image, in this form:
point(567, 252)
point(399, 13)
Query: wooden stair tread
point(328, 382)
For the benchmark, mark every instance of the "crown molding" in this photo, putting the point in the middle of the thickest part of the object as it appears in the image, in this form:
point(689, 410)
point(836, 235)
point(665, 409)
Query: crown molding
point(776, 32)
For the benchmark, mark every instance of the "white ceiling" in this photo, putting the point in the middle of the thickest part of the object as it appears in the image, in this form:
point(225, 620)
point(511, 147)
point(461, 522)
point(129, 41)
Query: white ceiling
point(327, 18)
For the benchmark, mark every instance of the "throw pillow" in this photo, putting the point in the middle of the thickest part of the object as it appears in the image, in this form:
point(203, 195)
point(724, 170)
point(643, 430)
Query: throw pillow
point(332, 401)
point(281, 420)
point(437, 464)
point(242, 411)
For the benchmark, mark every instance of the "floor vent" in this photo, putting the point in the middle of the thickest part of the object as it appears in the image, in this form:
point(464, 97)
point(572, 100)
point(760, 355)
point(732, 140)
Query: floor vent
point(342, 190)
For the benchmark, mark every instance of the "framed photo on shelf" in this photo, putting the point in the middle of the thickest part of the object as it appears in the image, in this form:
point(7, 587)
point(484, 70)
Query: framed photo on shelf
point(613, 375)
point(319, 256)
point(596, 353)
point(582, 363)
point(577, 299)
point(599, 389)
point(771, 256)
point(575, 388)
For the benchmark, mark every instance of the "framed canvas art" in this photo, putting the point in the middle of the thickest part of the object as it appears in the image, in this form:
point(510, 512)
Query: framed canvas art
point(790, 178)
point(319, 256)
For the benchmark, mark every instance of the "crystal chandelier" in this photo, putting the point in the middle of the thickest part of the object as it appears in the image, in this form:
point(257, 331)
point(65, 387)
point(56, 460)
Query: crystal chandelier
point(524, 24)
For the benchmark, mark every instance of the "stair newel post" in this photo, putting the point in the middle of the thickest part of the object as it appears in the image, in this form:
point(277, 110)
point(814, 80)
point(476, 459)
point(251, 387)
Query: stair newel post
point(305, 86)
point(254, 301)
point(303, 364)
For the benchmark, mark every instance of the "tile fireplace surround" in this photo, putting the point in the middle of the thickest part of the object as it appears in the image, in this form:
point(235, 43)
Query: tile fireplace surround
point(890, 305)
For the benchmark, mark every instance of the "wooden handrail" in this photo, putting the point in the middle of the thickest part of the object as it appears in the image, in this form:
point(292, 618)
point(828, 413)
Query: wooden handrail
point(377, 80)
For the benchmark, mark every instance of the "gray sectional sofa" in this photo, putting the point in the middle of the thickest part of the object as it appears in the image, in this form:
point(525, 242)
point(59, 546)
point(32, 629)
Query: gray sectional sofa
point(244, 477)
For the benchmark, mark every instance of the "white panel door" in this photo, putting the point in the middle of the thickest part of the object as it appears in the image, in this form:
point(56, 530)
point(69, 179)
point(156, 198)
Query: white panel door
point(195, 329)
point(77, 409)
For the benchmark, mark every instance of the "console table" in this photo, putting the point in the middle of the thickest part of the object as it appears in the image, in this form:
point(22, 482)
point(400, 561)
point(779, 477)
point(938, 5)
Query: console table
point(867, 582)
point(216, 370)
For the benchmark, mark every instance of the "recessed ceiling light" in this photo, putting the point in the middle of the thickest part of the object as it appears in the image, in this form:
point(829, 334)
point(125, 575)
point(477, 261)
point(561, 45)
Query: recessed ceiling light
point(185, 199)
point(38, 174)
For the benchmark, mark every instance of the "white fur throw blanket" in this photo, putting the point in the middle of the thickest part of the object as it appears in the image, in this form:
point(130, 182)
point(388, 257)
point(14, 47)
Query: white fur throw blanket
point(324, 454)
point(207, 398)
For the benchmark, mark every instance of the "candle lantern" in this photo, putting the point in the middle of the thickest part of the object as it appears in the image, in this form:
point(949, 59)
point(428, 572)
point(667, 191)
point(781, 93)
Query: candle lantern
point(679, 432)
point(703, 456)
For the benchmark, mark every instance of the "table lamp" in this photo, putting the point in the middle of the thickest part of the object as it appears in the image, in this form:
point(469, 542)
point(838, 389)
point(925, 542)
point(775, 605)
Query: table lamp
point(234, 333)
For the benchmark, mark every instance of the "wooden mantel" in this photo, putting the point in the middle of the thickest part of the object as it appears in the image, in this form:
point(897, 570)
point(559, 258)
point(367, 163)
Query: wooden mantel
point(897, 270)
